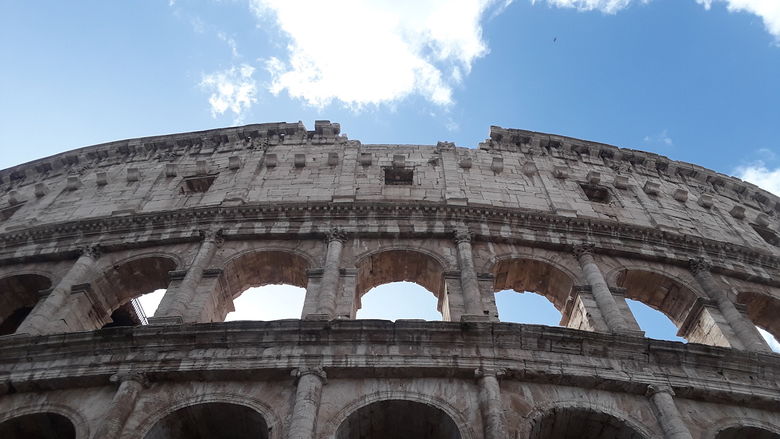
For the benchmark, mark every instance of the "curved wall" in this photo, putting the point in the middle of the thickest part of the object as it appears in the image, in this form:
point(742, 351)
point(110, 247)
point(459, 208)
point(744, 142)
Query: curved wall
point(206, 215)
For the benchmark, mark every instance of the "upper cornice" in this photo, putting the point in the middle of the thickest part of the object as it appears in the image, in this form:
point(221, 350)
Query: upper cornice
point(260, 136)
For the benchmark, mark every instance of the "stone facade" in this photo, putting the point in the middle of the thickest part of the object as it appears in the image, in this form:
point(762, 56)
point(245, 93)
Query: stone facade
point(207, 215)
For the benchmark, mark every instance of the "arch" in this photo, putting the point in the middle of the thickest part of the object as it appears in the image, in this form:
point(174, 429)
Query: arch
point(130, 278)
point(462, 424)
point(18, 296)
point(577, 420)
point(400, 265)
point(537, 275)
point(267, 266)
point(762, 310)
point(661, 291)
point(53, 415)
point(738, 428)
point(271, 420)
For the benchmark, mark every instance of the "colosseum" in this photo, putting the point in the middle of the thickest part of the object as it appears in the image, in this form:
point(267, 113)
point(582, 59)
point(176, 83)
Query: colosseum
point(207, 215)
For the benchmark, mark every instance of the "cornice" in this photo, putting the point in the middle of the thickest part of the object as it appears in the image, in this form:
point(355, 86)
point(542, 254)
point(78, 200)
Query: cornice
point(528, 353)
point(184, 225)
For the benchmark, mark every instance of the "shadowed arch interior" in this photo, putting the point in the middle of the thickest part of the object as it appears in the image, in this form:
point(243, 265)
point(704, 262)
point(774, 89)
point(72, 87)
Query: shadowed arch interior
point(763, 310)
point(400, 266)
point(260, 268)
point(580, 423)
point(128, 280)
point(746, 432)
point(214, 420)
point(398, 419)
point(658, 292)
point(38, 426)
point(18, 296)
point(534, 276)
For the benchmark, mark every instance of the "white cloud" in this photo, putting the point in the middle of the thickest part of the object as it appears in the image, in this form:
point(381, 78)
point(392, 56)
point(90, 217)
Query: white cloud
point(768, 10)
point(606, 6)
point(761, 176)
point(233, 90)
point(373, 52)
point(660, 139)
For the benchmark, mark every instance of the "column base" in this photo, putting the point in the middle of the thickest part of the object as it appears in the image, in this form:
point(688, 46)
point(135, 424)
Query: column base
point(165, 320)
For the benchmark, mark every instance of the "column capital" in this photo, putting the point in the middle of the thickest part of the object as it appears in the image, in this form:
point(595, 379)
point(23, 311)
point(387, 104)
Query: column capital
point(699, 265)
point(482, 372)
point(462, 235)
point(211, 235)
point(583, 249)
point(121, 377)
point(336, 234)
point(652, 389)
point(93, 251)
point(317, 371)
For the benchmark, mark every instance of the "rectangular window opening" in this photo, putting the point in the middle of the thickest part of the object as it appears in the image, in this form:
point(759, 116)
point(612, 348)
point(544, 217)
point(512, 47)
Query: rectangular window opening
point(197, 184)
point(596, 193)
point(399, 176)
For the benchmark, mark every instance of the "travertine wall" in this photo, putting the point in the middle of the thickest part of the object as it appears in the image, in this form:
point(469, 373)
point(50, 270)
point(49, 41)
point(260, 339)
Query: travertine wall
point(207, 215)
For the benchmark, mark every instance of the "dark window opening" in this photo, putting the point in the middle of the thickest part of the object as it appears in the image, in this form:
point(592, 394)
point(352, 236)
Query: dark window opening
point(12, 322)
point(129, 314)
point(8, 212)
point(595, 193)
point(399, 176)
point(767, 234)
point(199, 184)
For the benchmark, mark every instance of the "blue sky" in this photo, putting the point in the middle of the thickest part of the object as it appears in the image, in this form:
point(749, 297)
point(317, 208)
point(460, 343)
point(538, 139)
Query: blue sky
point(695, 80)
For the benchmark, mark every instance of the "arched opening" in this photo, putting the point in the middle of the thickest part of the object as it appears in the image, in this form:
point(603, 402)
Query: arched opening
point(674, 301)
point(398, 419)
point(551, 287)
point(214, 420)
point(18, 296)
point(38, 426)
point(746, 432)
point(654, 323)
point(763, 310)
point(398, 268)
point(399, 300)
point(580, 423)
point(266, 285)
point(124, 283)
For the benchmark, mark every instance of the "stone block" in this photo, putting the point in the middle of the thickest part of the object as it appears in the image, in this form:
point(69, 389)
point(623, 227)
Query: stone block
point(201, 167)
point(133, 175)
point(620, 182)
point(170, 170)
point(234, 163)
point(681, 195)
point(365, 158)
point(561, 172)
point(101, 178)
point(299, 160)
point(706, 201)
point(73, 183)
point(333, 158)
point(593, 177)
point(652, 188)
point(738, 212)
point(497, 165)
point(270, 160)
point(465, 163)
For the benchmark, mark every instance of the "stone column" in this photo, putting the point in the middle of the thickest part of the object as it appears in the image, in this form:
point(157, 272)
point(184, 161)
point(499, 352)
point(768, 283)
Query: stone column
point(330, 274)
point(666, 412)
point(490, 403)
point(44, 317)
point(307, 402)
point(745, 330)
point(601, 293)
point(130, 385)
point(173, 307)
point(468, 276)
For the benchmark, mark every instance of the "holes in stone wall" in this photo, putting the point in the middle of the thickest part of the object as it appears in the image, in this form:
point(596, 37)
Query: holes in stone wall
point(399, 176)
point(196, 184)
point(767, 234)
point(596, 193)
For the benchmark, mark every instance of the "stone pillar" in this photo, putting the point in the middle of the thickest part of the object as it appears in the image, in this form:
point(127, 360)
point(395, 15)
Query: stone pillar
point(174, 305)
point(307, 402)
point(468, 277)
point(601, 293)
point(313, 281)
point(486, 282)
point(330, 274)
point(44, 318)
point(490, 403)
point(130, 385)
point(744, 329)
point(666, 412)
